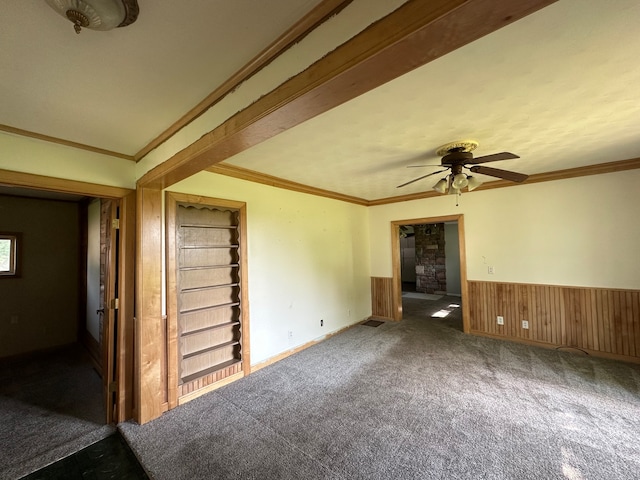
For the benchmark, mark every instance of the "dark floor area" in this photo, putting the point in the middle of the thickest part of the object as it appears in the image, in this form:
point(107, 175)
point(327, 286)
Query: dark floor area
point(110, 458)
point(51, 405)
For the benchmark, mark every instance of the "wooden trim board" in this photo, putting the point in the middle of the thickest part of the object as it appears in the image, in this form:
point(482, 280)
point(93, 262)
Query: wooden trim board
point(67, 143)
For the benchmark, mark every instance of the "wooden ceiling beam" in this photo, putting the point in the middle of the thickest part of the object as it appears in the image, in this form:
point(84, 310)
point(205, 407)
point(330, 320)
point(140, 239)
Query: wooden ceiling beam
point(413, 35)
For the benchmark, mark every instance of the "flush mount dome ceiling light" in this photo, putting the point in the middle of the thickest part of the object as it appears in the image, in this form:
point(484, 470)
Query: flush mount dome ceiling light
point(97, 14)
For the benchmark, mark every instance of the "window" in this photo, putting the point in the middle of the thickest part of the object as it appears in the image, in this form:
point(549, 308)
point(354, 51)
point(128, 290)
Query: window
point(9, 261)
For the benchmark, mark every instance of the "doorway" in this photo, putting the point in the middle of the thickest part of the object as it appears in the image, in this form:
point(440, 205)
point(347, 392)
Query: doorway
point(118, 387)
point(433, 277)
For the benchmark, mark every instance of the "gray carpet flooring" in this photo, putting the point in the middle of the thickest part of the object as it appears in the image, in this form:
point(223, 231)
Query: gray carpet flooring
point(411, 400)
point(51, 405)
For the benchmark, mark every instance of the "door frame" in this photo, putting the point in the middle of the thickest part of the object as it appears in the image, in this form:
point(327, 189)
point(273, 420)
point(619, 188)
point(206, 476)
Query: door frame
point(396, 260)
point(126, 198)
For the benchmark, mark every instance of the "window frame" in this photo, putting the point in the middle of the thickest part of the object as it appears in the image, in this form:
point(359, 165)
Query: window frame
point(14, 252)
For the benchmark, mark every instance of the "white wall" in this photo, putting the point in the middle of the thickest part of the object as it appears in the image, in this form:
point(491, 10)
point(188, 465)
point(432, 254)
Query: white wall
point(308, 260)
point(94, 302)
point(28, 155)
point(452, 258)
point(580, 232)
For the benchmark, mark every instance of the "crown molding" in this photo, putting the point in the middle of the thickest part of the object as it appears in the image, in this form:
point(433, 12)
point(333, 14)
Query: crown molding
point(597, 169)
point(67, 143)
point(257, 177)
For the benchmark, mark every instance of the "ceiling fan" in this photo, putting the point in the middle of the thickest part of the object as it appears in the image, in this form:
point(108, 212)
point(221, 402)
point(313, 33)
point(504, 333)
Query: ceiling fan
point(455, 157)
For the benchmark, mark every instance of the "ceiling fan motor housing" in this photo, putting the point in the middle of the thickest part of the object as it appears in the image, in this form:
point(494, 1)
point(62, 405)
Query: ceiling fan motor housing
point(457, 158)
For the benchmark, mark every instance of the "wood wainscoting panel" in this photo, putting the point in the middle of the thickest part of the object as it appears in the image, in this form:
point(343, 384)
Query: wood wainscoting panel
point(599, 321)
point(382, 297)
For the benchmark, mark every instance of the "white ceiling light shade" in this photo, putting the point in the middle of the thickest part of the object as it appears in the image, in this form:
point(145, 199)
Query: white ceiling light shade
point(441, 186)
point(97, 14)
point(473, 183)
point(459, 181)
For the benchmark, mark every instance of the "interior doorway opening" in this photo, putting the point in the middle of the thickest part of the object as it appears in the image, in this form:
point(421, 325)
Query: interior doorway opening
point(430, 271)
point(429, 266)
point(48, 374)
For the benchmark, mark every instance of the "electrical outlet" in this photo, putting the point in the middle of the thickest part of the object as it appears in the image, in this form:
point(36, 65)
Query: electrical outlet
point(525, 324)
point(290, 334)
point(14, 319)
point(321, 323)
point(491, 270)
point(500, 320)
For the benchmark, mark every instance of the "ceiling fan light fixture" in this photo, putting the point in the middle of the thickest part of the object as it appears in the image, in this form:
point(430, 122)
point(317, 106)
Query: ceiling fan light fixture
point(473, 183)
point(441, 186)
point(459, 181)
point(97, 14)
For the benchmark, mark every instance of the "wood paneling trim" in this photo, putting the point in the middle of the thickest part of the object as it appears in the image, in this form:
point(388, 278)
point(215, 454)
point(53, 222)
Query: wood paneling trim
point(257, 177)
point(209, 387)
point(126, 292)
point(413, 35)
point(150, 334)
point(54, 184)
point(244, 293)
point(598, 169)
point(297, 32)
point(68, 143)
point(382, 298)
point(170, 211)
point(600, 321)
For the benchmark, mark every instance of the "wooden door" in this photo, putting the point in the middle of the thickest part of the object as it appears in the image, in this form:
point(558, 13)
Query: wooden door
point(207, 309)
point(109, 285)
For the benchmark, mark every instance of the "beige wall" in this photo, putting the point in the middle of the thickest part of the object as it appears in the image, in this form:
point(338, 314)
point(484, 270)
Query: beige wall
point(45, 298)
point(28, 155)
point(308, 260)
point(577, 232)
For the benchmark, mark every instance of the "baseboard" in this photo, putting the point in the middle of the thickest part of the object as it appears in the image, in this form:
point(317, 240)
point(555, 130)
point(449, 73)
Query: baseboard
point(93, 347)
point(27, 355)
point(209, 388)
point(564, 348)
point(287, 353)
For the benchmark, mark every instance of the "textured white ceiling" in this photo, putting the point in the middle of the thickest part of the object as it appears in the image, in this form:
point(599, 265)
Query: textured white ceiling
point(120, 89)
point(559, 88)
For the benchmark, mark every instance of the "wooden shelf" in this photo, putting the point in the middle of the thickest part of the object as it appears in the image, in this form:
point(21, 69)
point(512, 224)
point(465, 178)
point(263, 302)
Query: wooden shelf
point(213, 327)
point(215, 368)
point(211, 349)
point(207, 267)
point(212, 307)
point(196, 225)
point(209, 287)
point(204, 247)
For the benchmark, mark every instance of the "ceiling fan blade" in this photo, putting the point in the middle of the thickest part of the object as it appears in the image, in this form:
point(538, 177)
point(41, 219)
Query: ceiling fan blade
point(493, 158)
point(420, 178)
point(496, 172)
point(420, 166)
